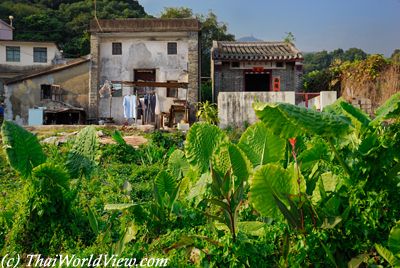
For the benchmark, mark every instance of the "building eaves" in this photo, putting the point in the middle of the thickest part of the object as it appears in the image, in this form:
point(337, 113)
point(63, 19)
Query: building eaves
point(256, 51)
point(45, 71)
point(144, 25)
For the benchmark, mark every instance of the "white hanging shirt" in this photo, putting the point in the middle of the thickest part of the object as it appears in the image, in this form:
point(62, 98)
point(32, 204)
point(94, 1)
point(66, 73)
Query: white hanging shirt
point(129, 104)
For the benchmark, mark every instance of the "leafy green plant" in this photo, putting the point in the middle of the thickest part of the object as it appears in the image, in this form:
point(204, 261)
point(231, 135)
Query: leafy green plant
point(208, 112)
point(391, 255)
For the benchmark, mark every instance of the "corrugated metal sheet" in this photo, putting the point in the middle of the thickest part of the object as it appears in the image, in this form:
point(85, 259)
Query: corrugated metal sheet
point(256, 51)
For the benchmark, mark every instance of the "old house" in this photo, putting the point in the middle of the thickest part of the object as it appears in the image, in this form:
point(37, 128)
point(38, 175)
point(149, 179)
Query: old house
point(19, 57)
point(245, 72)
point(57, 94)
point(151, 52)
point(255, 67)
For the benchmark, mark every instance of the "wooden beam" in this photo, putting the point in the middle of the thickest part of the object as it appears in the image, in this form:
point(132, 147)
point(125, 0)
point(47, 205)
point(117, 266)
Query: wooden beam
point(152, 84)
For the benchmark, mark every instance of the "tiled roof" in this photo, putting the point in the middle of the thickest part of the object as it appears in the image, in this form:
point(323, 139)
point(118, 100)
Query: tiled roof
point(145, 25)
point(224, 50)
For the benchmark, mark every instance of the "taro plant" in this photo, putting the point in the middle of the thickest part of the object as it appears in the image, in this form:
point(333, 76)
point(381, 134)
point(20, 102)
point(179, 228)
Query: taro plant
point(47, 208)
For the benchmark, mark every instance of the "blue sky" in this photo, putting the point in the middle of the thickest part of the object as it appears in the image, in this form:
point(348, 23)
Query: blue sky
point(372, 25)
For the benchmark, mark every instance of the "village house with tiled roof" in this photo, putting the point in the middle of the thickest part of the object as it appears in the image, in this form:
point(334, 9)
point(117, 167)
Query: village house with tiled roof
point(255, 67)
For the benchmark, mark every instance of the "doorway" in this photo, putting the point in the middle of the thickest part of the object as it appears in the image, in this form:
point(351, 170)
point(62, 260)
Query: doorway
point(257, 81)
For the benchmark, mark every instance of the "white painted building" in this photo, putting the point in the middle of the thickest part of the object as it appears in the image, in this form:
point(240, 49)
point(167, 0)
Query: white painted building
point(26, 54)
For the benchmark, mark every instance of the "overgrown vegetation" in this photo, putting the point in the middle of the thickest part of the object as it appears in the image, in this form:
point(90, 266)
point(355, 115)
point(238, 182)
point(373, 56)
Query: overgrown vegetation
point(299, 188)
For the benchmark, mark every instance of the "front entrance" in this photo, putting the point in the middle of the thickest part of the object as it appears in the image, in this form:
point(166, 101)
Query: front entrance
point(146, 95)
point(257, 81)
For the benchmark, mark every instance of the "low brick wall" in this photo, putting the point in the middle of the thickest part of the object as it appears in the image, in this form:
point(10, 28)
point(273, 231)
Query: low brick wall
point(235, 108)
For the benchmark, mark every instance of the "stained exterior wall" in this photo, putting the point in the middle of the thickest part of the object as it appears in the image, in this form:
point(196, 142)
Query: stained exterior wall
point(235, 108)
point(21, 96)
point(142, 51)
point(227, 79)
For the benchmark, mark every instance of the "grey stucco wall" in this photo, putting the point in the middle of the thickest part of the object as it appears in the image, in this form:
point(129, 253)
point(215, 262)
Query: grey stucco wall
point(236, 108)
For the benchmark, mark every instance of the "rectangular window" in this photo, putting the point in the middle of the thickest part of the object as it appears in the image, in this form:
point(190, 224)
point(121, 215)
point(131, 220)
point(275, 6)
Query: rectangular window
point(279, 64)
point(172, 92)
point(172, 48)
point(13, 54)
point(117, 48)
point(40, 54)
point(45, 93)
point(51, 92)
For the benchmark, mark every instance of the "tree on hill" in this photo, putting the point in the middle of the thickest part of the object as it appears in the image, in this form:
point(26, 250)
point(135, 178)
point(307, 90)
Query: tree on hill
point(65, 22)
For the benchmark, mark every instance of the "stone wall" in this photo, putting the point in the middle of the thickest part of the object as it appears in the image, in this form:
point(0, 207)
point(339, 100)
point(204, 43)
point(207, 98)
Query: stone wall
point(364, 104)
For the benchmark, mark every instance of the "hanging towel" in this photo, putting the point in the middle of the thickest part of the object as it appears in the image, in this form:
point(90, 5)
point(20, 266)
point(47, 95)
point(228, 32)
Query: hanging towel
point(157, 110)
point(129, 104)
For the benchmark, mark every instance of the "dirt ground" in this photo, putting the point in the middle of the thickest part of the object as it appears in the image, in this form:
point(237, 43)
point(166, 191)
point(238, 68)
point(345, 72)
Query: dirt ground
point(133, 135)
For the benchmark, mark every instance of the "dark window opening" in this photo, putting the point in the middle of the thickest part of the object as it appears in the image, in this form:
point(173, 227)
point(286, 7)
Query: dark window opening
point(39, 54)
point(117, 48)
point(45, 92)
point(13, 54)
point(257, 82)
point(172, 48)
point(299, 68)
point(279, 64)
point(50, 92)
point(235, 64)
point(172, 92)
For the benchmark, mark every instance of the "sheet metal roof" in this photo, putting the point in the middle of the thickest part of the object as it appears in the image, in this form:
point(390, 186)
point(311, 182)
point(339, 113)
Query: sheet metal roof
point(145, 25)
point(256, 51)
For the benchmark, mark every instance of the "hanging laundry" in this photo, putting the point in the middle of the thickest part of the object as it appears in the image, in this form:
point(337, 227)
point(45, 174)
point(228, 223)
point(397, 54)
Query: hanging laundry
point(129, 104)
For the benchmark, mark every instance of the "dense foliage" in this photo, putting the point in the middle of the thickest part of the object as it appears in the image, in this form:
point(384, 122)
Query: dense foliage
point(299, 188)
point(64, 22)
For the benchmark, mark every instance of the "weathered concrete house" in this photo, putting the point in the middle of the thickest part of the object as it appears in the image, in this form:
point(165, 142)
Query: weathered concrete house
point(57, 94)
point(156, 50)
point(20, 57)
point(255, 67)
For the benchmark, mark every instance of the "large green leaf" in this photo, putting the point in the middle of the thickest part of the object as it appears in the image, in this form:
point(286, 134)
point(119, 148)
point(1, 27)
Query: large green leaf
point(386, 254)
point(390, 109)
point(267, 181)
point(261, 146)
point(201, 141)
point(51, 175)
point(165, 184)
point(394, 240)
point(289, 121)
point(22, 147)
point(81, 158)
point(358, 118)
point(317, 151)
point(178, 166)
point(228, 157)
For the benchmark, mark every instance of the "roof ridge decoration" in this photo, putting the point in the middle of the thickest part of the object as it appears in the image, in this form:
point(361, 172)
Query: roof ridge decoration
point(145, 25)
point(256, 50)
